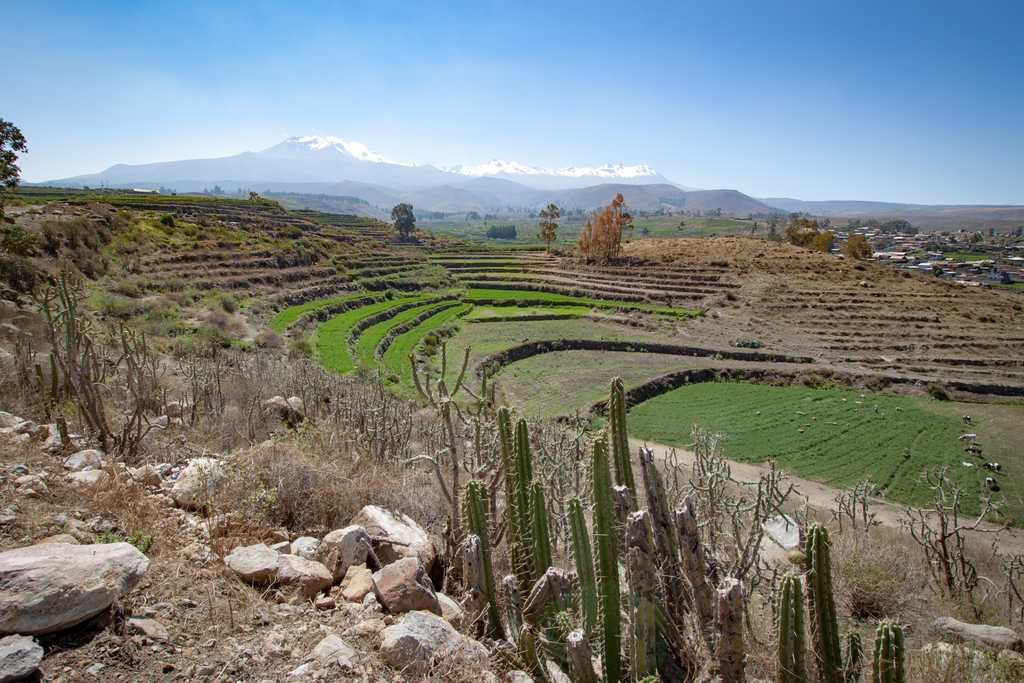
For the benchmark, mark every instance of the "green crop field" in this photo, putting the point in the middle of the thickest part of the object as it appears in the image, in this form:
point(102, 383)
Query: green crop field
point(542, 298)
point(287, 316)
point(837, 436)
point(368, 340)
point(396, 358)
point(487, 312)
point(332, 335)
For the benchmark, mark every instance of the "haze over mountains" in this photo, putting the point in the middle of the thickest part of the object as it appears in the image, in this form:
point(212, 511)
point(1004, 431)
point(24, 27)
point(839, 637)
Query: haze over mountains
point(353, 178)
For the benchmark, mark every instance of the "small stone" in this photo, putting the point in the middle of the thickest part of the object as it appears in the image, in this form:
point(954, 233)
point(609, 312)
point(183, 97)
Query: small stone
point(88, 459)
point(324, 603)
point(333, 650)
point(412, 644)
point(198, 482)
point(20, 656)
point(60, 538)
point(309, 576)
point(342, 548)
point(305, 547)
point(284, 547)
point(87, 479)
point(357, 583)
point(450, 610)
point(95, 669)
point(151, 628)
point(147, 475)
point(396, 536)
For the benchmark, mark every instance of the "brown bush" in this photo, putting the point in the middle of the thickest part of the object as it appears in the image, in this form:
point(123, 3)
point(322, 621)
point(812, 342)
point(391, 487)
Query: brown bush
point(875, 574)
point(268, 339)
point(305, 487)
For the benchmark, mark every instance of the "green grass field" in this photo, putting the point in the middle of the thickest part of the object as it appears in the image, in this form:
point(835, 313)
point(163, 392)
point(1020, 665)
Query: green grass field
point(837, 436)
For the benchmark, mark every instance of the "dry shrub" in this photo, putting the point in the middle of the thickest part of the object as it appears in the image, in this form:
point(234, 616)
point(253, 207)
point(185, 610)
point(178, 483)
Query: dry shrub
point(876, 575)
point(308, 488)
point(268, 339)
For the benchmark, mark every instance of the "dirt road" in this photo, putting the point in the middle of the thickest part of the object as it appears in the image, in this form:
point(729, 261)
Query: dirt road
point(822, 496)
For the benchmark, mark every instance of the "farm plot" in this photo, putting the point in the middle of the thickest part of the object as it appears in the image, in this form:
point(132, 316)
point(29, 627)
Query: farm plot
point(285, 317)
point(332, 336)
point(368, 340)
point(837, 436)
point(396, 359)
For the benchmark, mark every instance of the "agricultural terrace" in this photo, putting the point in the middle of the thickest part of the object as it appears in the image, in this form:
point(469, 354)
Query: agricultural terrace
point(550, 332)
point(840, 436)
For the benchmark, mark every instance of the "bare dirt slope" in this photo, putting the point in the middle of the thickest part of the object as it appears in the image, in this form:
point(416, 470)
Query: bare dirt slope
point(855, 316)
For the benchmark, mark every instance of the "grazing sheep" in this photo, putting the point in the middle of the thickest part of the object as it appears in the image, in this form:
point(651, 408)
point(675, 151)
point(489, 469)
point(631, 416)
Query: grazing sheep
point(967, 419)
point(993, 466)
point(973, 449)
point(991, 483)
point(966, 464)
point(968, 437)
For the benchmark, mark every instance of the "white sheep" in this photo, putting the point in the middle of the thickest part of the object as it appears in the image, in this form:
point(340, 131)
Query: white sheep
point(968, 437)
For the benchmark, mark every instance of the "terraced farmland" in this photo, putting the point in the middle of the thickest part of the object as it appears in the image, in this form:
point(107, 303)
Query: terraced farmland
point(836, 435)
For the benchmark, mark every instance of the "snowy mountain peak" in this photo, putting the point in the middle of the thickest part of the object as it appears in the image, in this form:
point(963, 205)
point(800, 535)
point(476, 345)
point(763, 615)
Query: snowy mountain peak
point(499, 167)
point(356, 150)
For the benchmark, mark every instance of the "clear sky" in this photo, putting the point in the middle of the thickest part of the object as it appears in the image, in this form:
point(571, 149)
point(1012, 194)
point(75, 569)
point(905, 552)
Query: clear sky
point(826, 99)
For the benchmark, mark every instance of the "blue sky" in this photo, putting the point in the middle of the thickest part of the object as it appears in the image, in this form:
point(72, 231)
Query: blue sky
point(900, 101)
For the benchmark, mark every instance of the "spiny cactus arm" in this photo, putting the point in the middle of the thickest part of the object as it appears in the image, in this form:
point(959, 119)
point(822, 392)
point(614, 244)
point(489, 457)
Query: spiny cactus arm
point(854, 658)
point(462, 374)
point(784, 652)
point(620, 437)
point(477, 522)
point(642, 574)
point(581, 665)
point(583, 556)
point(665, 541)
point(730, 651)
point(694, 565)
point(608, 564)
point(513, 606)
point(522, 507)
point(541, 534)
point(821, 603)
point(799, 639)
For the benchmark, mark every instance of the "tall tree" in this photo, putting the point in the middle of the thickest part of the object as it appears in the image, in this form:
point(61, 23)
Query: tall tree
point(548, 225)
point(404, 220)
point(601, 238)
point(11, 143)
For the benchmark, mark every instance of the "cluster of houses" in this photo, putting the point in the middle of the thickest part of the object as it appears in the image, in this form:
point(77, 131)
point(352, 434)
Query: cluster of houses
point(960, 257)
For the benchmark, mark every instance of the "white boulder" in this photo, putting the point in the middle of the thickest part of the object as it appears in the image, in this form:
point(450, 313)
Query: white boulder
point(198, 482)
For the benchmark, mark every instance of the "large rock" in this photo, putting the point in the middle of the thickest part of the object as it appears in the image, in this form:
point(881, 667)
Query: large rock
point(412, 644)
point(254, 563)
point(198, 482)
point(450, 610)
point(396, 536)
point(308, 576)
point(994, 637)
point(20, 656)
point(404, 586)
point(49, 587)
point(344, 548)
point(88, 459)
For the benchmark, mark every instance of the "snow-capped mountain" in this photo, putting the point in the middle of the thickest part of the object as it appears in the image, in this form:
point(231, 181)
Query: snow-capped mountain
point(496, 167)
point(329, 143)
point(325, 164)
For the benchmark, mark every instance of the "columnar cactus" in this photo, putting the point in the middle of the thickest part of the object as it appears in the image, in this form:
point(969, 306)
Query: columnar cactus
point(540, 534)
point(791, 650)
point(730, 651)
point(822, 606)
point(477, 523)
point(620, 437)
point(522, 509)
point(888, 666)
point(854, 658)
point(584, 559)
point(608, 564)
point(642, 572)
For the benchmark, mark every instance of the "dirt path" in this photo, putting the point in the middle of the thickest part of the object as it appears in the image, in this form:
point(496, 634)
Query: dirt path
point(822, 496)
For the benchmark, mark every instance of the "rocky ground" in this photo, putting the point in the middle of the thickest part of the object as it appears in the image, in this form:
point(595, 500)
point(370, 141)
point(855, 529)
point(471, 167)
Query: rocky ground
point(84, 597)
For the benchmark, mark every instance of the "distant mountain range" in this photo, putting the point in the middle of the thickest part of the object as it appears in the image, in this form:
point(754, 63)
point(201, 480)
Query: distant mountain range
point(348, 174)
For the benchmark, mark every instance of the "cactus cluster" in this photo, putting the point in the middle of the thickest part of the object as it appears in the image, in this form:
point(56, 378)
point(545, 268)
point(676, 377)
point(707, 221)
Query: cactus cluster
point(644, 631)
point(888, 665)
